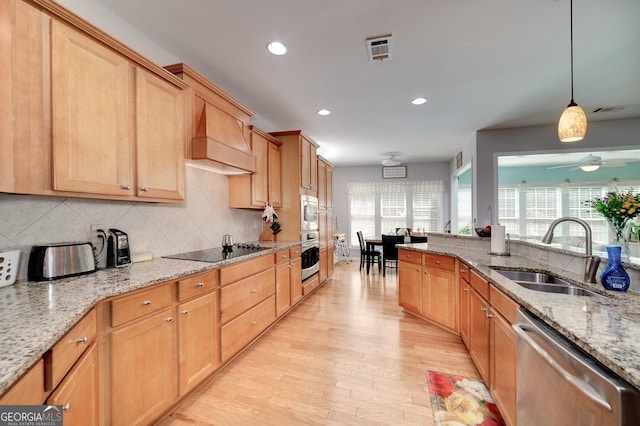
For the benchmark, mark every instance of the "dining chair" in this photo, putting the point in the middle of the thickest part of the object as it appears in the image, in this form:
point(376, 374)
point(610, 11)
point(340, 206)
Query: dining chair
point(418, 238)
point(390, 251)
point(372, 255)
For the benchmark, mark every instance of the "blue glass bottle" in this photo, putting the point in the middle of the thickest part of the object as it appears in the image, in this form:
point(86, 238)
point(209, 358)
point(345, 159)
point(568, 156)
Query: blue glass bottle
point(614, 277)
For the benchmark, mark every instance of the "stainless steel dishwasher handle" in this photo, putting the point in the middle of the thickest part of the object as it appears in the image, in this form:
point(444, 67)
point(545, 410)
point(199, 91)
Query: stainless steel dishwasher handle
point(522, 330)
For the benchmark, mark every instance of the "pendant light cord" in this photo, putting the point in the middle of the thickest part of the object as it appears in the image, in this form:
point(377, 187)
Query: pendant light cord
point(571, 36)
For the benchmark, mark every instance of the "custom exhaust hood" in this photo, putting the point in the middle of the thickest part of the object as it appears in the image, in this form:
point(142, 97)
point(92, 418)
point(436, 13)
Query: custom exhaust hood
point(219, 127)
point(219, 144)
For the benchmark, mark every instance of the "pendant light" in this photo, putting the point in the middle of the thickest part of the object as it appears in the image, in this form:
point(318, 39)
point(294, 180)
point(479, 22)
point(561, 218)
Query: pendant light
point(573, 122)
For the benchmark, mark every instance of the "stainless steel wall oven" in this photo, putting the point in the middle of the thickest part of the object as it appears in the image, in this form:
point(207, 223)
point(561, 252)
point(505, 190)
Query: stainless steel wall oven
point(310, 254)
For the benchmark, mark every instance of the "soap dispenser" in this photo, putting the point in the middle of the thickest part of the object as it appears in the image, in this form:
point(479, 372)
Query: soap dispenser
point(614, 277)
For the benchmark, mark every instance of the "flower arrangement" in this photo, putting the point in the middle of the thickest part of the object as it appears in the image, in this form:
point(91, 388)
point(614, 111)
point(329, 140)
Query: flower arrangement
point(619, 208)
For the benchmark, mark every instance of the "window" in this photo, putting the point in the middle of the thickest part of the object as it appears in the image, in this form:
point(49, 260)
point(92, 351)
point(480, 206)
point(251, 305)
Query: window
point(393, 212)
point(508, 208)
point(543, 206)
point(579, 208)
point(426, 211)
point(362, 215)
point(377, 208)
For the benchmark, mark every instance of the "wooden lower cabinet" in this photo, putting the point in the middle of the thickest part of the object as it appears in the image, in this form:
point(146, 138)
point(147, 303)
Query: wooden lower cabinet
point(464, 291)
point(410, 286)
point(323, 271)
point(28, 389)
point(503, 366)
point(283, 288)
point(78, 393)
point(310, 284)
point(439, 296)
point(198, 340)
point(479, 333)
point(296, 279)
point(236, 334)
point(142, 369)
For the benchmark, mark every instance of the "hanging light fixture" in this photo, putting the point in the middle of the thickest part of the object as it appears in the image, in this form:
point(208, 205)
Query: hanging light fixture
point(573, 123)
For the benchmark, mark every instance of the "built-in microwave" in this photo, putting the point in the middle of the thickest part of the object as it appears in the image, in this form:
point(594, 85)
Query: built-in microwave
point(308, 213)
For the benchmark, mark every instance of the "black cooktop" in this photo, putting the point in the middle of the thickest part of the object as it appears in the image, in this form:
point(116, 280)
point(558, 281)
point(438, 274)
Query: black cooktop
point(218, 254)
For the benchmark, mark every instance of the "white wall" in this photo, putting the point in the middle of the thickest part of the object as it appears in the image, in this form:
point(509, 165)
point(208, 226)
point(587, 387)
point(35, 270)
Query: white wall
point(415, 172)
point(601, 135)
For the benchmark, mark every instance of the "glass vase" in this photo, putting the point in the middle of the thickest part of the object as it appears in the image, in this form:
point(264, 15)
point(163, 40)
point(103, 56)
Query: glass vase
point(614, 277)
point(619, 235)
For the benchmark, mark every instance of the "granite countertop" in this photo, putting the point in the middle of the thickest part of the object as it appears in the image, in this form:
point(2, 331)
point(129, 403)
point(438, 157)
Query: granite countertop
point(35, 315)
point(607, 328)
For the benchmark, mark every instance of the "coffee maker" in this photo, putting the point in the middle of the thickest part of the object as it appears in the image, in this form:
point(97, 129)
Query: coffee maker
point(118, 253)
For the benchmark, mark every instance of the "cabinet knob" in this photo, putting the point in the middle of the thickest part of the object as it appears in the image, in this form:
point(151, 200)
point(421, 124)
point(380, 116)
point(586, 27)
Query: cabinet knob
point(483, 309)
point(465, 288)
point(437, 262)
point(169, 319)
point(126, 187)
point(489, 315)
point(144, 189)
point(463, 271)
point(84, 339)
point(253, 291)
point(184, 312)
point(253, 323)
point(66, 407)
point(146, 302)
point(201, 284)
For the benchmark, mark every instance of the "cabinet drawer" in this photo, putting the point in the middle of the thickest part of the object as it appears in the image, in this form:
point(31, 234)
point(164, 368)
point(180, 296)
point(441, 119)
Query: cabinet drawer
point(437, 261)
point(480, 284)
point(295, 252)
point(281, 256)
point(238, 297)
point(29, 389)
point(309, 285)
point(410, 256)
point(68, 349)
point(503, 304)
point(464, 272)
point(198, 284)
point(238, 333)
point(246, 269)
point(139, 304)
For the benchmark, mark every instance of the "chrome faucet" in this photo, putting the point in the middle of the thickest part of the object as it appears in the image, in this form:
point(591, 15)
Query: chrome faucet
point(591, 267)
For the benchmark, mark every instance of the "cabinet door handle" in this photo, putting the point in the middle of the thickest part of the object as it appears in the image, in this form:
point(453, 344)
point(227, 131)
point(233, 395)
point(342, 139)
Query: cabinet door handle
point(126, 187)
point(169, 319)
point(144, 189)
point(84, 339)
point(146, 302)
point(465, 288)
point(483, 309)
point(253, 291)
point(253, 323)
point(200, 284)
point(184, 312)
point(463, 271)
point(66, 407)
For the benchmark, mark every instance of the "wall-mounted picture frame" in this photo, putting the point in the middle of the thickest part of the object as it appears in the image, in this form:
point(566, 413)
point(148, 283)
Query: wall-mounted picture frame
point(394, 172)
point(459, 160)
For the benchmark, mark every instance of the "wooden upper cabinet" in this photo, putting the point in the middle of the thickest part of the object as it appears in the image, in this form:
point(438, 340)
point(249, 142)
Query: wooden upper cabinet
point(308, 165)
point(79, 110)
point(92, 115)
point(160, 112)
point(265, 185)
point(325, 183)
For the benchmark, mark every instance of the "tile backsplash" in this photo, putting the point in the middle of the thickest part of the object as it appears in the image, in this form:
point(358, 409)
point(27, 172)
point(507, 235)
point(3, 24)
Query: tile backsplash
point(158, 228)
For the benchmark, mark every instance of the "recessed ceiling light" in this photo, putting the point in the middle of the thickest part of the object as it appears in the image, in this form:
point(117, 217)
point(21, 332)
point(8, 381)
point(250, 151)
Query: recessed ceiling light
point(419, 101)
point(324, 112)
point(277, 48)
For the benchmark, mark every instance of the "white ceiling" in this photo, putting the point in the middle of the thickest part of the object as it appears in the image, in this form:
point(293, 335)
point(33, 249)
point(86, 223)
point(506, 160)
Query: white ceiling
point(481, 64)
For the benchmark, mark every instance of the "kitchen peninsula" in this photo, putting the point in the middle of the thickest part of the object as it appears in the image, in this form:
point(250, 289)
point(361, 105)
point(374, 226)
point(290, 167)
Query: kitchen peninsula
point(607, 328)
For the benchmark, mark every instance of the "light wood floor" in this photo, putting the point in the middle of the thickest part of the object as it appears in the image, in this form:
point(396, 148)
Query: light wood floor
point(347, 355)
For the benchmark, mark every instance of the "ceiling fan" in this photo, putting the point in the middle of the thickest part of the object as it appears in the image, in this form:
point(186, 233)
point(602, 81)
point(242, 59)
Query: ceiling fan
point(391, 160)
point(591, 163)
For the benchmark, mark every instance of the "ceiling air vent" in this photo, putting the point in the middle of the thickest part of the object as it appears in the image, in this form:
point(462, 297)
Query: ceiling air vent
point(379, 48)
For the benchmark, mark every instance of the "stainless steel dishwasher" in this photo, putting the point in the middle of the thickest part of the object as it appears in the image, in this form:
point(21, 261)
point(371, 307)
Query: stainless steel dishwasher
point(559, 384)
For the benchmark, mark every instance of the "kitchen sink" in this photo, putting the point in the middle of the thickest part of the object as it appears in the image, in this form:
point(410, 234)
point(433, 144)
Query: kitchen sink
point(547, 283)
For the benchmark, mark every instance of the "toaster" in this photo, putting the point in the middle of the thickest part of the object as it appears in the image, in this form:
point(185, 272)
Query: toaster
point(51, 261)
